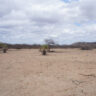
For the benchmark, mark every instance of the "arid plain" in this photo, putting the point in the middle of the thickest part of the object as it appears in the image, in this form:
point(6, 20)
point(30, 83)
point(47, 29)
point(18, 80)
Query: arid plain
point(65, 72)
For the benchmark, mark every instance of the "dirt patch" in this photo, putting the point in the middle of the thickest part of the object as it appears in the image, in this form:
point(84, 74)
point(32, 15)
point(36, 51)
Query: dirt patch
point(67, 72)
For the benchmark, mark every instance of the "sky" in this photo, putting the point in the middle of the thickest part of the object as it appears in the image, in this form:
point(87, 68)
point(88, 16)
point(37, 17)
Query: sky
point(33, 21)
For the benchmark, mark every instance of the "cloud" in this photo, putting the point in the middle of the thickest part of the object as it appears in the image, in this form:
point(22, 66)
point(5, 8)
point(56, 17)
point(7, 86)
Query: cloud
point(88, 8)
point(32, 21)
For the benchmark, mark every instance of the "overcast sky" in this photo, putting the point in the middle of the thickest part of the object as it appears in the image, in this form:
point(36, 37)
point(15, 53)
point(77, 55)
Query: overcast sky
point(32, 21)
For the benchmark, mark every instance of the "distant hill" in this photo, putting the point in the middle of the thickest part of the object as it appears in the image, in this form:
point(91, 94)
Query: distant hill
point(86, 44)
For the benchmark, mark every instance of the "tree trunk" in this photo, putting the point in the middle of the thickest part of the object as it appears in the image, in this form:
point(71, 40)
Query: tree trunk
point(4, 50)
point(44, 52)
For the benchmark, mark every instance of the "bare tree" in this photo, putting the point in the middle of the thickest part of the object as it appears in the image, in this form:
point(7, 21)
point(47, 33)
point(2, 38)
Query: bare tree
point(49, 42)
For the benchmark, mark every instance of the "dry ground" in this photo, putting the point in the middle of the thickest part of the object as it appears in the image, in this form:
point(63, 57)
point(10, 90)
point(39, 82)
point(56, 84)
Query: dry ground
point(67, 72)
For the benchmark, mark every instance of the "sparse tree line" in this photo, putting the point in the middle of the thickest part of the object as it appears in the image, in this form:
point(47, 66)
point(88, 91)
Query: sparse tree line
point(47, 47)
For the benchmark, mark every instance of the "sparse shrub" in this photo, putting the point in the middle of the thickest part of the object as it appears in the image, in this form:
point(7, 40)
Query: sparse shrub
point(44, 49)
point(86, 48)
point(4, 47)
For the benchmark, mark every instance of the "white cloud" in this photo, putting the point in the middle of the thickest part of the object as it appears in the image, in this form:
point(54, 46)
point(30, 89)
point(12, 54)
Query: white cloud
point(31, 21)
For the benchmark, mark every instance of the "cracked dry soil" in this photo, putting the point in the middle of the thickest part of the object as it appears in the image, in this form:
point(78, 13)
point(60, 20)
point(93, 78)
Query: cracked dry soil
point(66, 72)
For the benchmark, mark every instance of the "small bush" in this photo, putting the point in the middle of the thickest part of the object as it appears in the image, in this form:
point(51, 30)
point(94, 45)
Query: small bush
point(86, 48)
point(44, 49)
point(4, 47)
point(44, 46)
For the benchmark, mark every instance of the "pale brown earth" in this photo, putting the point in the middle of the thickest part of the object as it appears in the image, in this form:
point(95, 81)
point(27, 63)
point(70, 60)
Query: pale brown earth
point(66, 72)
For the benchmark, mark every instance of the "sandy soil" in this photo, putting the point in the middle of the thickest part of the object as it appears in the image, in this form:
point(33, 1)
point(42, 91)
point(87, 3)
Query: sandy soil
point(67, 72)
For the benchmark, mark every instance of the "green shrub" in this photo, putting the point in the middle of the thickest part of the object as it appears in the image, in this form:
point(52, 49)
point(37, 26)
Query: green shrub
point(44, 47)
point(4, 47)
